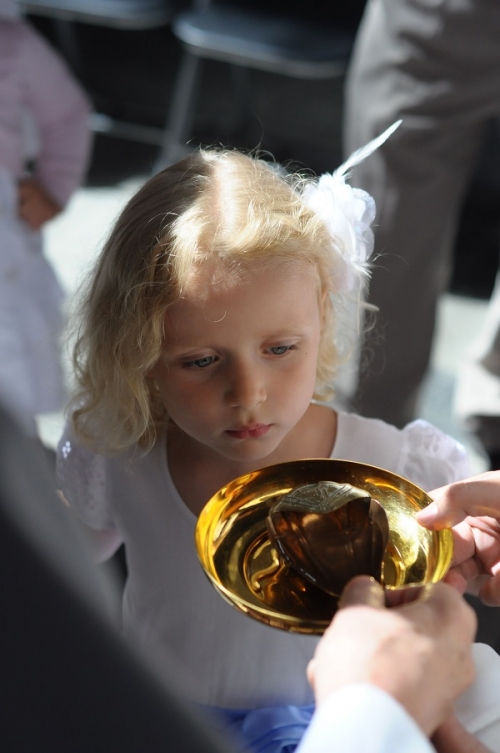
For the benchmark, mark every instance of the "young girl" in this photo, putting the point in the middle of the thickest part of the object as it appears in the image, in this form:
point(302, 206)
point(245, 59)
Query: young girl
point(207, 348)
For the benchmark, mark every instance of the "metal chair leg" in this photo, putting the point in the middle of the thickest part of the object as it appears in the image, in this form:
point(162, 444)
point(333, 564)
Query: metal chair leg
point(181, 112)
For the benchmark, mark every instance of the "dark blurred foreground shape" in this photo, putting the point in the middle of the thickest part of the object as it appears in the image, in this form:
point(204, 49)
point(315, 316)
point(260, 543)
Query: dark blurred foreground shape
point(69, 682)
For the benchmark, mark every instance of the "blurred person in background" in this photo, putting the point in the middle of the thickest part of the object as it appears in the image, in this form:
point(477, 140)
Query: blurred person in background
point(44, 150)
point(436, 65)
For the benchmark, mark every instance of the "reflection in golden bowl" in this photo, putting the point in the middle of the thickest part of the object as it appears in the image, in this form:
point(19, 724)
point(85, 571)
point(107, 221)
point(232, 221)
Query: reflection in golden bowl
point(237, 555)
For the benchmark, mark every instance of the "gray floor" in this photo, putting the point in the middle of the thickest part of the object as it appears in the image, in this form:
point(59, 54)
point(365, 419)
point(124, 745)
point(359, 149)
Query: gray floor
point(459, 321)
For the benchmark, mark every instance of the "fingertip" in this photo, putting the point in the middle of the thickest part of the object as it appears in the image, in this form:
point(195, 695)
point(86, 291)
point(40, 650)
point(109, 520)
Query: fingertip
point(362, 590)
point(428, 515)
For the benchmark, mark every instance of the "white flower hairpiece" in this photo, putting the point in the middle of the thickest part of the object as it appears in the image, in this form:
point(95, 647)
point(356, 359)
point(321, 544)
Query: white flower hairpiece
point(348, 214)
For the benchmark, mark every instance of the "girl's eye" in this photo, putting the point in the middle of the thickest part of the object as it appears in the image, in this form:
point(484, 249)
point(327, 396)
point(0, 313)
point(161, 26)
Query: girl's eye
point(280, 350)
point(200, 363)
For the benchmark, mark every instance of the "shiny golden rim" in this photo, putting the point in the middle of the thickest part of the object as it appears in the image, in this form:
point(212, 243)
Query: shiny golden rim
point(235, 551)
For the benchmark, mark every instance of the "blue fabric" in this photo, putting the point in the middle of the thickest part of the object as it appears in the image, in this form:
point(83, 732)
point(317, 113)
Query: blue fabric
point(274, 729)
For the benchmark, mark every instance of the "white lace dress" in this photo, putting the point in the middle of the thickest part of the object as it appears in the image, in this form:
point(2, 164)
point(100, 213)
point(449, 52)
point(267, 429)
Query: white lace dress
point(170, 607)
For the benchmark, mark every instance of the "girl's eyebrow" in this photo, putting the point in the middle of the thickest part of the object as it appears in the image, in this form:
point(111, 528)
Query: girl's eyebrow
point(285, 332)
point(292, 330)
point(178, 347)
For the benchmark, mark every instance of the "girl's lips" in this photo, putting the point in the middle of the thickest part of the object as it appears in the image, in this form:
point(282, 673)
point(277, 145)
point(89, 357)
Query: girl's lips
point(249, 432)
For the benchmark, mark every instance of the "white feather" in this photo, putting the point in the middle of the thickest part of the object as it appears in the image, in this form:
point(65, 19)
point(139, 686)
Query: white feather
point(363, 152)
point(348, 214)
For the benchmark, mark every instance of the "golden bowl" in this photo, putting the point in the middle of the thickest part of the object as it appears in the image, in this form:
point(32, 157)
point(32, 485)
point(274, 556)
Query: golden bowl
point(236, 552)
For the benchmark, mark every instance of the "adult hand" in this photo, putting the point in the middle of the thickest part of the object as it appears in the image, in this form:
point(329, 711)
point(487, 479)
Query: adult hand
point(419, 652)
point(472, 507)
point(35, 205)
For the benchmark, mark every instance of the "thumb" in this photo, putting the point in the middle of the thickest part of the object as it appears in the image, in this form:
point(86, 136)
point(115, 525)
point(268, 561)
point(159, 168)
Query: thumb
point(476, 496)
point(362, 590)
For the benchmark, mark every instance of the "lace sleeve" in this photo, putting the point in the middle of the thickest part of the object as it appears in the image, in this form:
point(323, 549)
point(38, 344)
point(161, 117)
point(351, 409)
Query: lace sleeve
point(82, 478)
point(430, 458)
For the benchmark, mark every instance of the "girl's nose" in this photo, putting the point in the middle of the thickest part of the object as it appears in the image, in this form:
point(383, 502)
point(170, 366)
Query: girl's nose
point(246, 387)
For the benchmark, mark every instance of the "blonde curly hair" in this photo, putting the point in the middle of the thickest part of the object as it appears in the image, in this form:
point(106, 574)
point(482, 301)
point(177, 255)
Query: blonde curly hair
point(216, 207)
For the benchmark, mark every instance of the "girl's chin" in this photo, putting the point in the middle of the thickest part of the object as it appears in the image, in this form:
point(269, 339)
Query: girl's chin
point(256, 451)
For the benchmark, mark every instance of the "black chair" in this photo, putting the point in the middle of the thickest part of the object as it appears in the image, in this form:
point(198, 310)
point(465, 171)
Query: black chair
point(246, 37)
point(121, 14)
point(129, 15)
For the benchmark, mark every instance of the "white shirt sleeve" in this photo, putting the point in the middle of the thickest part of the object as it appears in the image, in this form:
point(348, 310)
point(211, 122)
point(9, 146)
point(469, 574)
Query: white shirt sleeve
point(420, 452)
point(361, 717)
point(433, 457)
point(83, 480)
